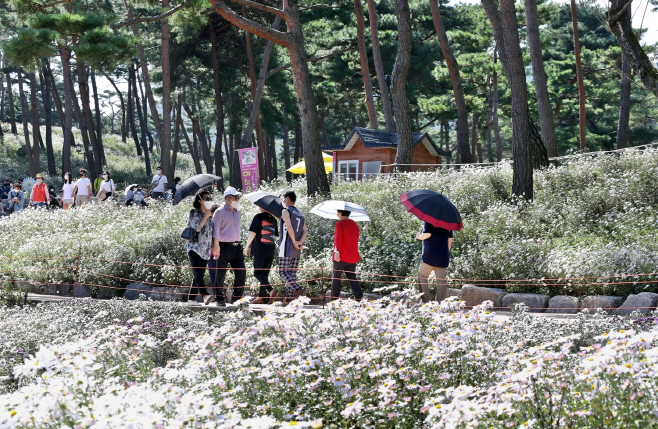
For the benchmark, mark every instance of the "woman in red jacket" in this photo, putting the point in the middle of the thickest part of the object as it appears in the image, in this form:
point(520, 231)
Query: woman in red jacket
point(346, 255)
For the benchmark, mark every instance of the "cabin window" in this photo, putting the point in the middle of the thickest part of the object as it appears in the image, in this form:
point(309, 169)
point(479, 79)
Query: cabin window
point(371, 169)
point(348, 170)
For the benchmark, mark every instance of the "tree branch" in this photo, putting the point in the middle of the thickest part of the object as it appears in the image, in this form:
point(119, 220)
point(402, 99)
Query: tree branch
point(310, 60)
point(38, 6)
point(315, 6)
point(259, 30)
point(150, 18)
point(618, 15)
point(262, 7)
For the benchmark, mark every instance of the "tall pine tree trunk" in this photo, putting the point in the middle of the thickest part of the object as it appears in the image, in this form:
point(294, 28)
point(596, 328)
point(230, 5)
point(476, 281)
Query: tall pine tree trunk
point(247, 135)
point(219, 107)
point(26, 129)
point(34, 116)
point(67, 124)
point(48, 116)
point(59, 109)
point(506, 33)
point(546, 120)
point(193, 152)
point(293, 40)
point(131, 115)
point(379, 67)
point(165, 144)
point(581, 83)
point(365, 70)
point(155, 116)
point(178, 120)
point(145, 111)
point(490, 157)
point(12, 110)
point(142, 122)
point(494, 118)
point(625, 96)
point(457, 88)
point(624, 104)
point(123, 109)
point(85, 101)
point(99, 122)
point(475, 136)
point(404, 155)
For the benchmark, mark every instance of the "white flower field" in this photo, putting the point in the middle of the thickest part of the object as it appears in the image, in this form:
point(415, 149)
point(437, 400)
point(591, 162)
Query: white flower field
point(355, 365)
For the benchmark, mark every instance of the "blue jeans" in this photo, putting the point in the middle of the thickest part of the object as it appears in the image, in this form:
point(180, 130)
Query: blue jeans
point(157, 195)
point(37, 205)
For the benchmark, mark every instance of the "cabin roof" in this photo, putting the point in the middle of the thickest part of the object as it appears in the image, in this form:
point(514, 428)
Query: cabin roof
point(375, 139)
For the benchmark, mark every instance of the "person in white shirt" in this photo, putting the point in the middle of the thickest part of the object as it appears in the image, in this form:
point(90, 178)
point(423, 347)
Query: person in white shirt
point(69, 189)
point(82, 192)
point(158, 185)
point(138, 198)
point(107, 187)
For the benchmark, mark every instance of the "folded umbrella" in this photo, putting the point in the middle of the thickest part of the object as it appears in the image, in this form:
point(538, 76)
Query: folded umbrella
point(192, 185)
point(328, 209)
point(434, 208)
point(266, 201)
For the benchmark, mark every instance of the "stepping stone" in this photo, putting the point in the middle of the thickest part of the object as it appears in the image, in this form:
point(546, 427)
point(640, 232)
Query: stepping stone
point(642, 299)
point(602, 301)
point(563, 304)
point(476, 295)
point(535, 302)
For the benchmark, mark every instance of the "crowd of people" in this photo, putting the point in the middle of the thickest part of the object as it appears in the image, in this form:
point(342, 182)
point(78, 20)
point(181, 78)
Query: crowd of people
point(14, 197)
point(217, 247)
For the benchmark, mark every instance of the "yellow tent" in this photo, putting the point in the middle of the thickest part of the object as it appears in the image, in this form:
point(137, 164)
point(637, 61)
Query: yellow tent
point(300, 167)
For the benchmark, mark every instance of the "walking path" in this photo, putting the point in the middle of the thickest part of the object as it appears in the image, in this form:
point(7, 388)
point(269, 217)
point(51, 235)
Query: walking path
point(502, 316)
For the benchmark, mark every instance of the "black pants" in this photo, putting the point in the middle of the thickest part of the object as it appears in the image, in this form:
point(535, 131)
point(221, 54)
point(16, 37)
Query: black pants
point(262, 266)
point(198, 265)
point(229, 254)
point(337, 282)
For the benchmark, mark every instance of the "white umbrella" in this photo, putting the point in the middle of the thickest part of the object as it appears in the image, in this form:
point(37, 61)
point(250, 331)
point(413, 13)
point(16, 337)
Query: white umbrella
point(327, 210)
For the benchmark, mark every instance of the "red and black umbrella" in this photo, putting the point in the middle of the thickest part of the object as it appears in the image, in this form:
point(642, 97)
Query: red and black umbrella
point(434, 208)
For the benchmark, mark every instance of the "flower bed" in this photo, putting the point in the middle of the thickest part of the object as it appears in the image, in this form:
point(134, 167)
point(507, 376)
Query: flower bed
point(354, 365)
point(591, 220)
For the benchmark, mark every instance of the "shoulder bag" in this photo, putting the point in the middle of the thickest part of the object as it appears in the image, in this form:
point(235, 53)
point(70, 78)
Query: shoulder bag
point(190, 234)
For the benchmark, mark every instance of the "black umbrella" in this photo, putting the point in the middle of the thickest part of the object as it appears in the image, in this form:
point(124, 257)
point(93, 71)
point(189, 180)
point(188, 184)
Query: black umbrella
point(192, 185)
point(266, 201)
point(433, 208)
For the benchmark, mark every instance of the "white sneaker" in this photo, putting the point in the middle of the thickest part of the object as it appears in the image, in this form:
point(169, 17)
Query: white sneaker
point(207, 299)
point(193, 303)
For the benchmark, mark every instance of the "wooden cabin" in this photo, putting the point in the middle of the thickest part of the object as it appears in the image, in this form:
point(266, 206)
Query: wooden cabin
point(367, 152)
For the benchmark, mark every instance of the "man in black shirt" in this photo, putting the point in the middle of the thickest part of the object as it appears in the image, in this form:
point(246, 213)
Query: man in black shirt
point(262, 233)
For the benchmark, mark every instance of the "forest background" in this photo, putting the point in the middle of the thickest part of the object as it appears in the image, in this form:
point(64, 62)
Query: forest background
point(175, 75)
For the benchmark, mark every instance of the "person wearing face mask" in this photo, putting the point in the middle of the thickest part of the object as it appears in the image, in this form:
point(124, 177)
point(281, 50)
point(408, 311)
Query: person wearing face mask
point(107, 187)
point(16, 199)
point(293, 234)
point(39, 196)
point(68, 188)
point(158, 185)
point(199, 251)
point(261, 241)
point(82, 192)
point(227, 247)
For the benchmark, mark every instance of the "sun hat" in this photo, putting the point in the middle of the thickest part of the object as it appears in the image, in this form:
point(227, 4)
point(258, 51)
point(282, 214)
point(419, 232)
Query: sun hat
point(231, 191)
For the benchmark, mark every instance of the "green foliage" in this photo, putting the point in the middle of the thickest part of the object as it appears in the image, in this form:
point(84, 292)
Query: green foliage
point(29, 46)
point(102, 49)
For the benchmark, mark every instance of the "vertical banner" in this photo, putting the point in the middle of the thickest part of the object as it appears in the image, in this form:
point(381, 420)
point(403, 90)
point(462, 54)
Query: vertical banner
point(335, 169)
point(249, 169)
